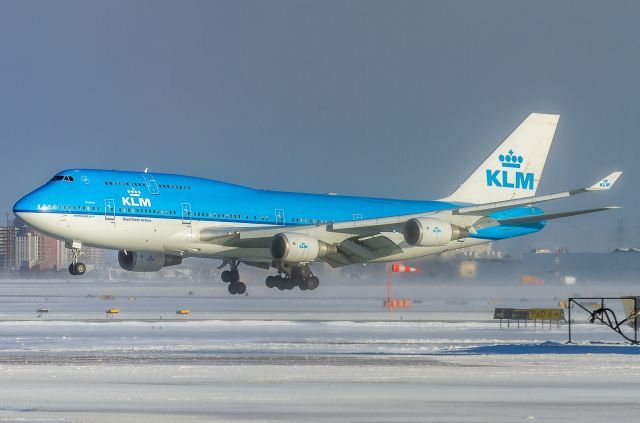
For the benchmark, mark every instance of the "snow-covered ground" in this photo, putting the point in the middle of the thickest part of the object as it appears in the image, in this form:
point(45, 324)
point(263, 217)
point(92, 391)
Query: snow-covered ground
point(332, 359)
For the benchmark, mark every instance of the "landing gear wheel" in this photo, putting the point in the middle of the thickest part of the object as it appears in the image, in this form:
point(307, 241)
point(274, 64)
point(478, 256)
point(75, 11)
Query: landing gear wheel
point(237, 288)
point(304, 284)
point(234, 276)
point(313, 282)
point(290, 283)
point(270, 281)
point(225, 276)
point(80, 268)
point(72, 270)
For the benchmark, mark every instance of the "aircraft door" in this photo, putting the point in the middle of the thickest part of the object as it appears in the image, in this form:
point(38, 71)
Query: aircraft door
point(109, 209)
point(186, 213)
point(151, 183)
point(279, 216)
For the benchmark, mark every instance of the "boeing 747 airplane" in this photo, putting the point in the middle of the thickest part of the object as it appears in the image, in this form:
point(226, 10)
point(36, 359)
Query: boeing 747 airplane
point(156, 220)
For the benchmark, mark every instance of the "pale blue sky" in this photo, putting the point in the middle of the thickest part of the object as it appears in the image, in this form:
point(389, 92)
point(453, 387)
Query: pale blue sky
point(392, 99)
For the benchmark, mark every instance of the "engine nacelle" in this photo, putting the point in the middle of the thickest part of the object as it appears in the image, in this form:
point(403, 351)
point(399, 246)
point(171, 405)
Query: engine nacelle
point(428, 232)
point(144, 261)
point(298, 248)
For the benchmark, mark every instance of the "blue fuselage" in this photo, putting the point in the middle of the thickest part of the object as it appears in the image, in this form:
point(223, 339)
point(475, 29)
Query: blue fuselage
point(121, 194)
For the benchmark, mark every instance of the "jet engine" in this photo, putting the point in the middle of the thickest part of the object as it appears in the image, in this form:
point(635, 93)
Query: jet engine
point(144, 261)
point(298, 248)
point(428, 232)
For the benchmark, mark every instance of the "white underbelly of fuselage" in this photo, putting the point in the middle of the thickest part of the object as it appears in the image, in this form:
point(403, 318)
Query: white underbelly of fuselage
point(169, 236)
point(173, 236)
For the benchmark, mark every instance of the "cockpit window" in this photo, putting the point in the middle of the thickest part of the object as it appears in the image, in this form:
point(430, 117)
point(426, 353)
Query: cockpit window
point(63, 178)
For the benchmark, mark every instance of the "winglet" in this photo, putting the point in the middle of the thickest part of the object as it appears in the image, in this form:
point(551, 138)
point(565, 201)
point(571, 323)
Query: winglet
point(606, 182)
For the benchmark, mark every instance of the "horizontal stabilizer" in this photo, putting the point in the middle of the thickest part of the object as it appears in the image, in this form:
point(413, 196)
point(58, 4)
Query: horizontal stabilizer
point(606, 182)
point(550, 216)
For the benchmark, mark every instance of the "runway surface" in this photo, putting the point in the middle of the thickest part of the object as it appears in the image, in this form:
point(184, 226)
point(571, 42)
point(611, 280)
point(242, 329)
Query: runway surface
point(333, 364)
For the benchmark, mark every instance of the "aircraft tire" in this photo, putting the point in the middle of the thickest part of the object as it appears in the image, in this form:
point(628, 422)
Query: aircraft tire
point(234, 276)
point(241, 288)
point(304, 284)
point(80, 268)
point(72, 270)
point(225, 276)
point(270, 282)
point(314, 282)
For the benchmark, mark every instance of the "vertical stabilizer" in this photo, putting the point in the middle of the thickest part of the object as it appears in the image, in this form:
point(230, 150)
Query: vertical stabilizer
point(514, 169)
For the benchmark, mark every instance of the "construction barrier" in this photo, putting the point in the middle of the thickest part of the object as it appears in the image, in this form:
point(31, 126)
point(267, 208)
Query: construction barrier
point(183, 313)
point(112, 312)
point(534, 315)
point(393, 303)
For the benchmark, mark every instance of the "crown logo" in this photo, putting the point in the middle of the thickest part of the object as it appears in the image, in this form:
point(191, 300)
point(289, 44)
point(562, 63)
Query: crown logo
point(510, 160)
point(134, 192)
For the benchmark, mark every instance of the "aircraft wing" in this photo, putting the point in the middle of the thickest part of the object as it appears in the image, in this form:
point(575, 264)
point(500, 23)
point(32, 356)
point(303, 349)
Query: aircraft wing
point(359, 241)
point(352, 247)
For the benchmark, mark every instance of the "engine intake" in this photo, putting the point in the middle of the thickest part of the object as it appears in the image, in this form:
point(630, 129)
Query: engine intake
point(144, 261)
point(427, 232)
point(298, 248)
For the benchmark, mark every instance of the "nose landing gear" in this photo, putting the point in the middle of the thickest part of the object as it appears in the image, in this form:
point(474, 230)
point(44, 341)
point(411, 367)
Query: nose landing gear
point(76, 268)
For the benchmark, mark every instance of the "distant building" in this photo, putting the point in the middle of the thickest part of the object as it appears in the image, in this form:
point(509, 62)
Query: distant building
point(480, 251)
point(24, 249)
point(7, 250)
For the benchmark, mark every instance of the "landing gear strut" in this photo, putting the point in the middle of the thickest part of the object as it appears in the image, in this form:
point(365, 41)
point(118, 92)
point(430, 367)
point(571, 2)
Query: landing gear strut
point(290, 277)
point(232, 277)
point(76, 268)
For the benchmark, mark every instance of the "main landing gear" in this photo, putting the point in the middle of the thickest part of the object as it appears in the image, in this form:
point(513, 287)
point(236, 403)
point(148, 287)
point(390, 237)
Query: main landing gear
point(232, 277)
point(76, 268)
point(290, 275)
point(299, 276)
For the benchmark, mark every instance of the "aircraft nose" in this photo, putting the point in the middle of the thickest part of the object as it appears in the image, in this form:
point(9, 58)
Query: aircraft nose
point(24, 206)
